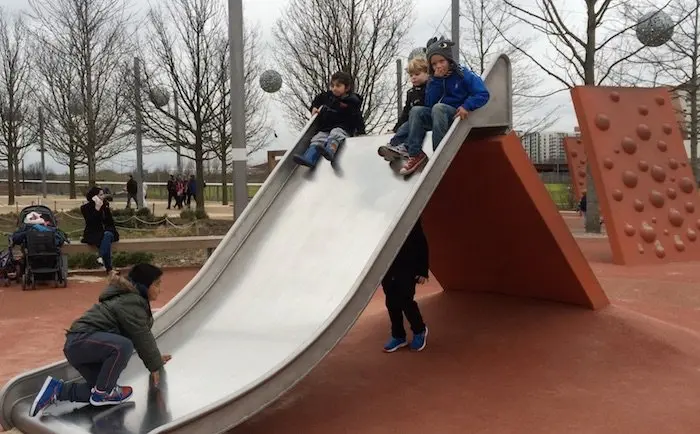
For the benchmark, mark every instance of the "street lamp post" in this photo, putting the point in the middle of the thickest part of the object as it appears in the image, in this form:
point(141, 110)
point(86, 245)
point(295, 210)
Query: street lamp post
point(42, 150)
point(455, 28)
point(238, 142)
point(138, 132)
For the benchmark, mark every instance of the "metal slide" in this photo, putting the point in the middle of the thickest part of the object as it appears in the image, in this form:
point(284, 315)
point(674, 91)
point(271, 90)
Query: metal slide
point(283, 287)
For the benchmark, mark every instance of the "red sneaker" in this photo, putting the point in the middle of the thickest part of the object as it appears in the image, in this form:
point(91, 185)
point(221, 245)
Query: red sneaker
point(413, 163)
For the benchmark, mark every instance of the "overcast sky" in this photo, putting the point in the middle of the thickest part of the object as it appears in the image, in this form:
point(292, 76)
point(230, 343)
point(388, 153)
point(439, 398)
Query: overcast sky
point(429, 14)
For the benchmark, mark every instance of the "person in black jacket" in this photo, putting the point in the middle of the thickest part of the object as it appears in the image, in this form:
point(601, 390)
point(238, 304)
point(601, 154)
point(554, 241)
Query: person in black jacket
point(100, 230)
point(415, 97)
point(339, 117)
point(409, 267)
point(132, 188)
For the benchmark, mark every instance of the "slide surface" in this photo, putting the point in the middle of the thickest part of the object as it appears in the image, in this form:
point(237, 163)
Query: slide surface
point(283, 287)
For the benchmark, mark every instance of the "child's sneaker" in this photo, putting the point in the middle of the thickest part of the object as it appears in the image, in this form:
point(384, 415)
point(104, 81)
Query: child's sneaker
point(413, 163)
point(394, 344)
point(100, 261)
point(300, 160)
point(48, 394)
point(118, 395)
point(419, 340)
point(393, 152)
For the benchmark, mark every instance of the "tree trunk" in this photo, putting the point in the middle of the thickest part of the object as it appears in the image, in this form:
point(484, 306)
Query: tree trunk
point(199, 169)
point(92, 175)
point(71, 171)
point(592, 209)
point(224, 189)
point(10, 177)
point(18, 176)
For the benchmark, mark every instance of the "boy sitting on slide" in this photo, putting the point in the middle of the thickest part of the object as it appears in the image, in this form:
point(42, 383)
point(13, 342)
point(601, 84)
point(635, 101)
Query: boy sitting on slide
point(99, 344)
point(453, 92)
point(340, 117)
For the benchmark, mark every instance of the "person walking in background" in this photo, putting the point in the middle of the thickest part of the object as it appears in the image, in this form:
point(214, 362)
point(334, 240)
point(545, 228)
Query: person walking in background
point(132, 189)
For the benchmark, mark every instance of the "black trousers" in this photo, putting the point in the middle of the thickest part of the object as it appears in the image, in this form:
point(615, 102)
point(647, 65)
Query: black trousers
point(400, 290)
point(100, 358)
point(171, 196)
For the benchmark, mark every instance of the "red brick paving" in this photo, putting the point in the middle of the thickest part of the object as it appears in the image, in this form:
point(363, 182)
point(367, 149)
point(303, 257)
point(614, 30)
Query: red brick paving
point(494, 364)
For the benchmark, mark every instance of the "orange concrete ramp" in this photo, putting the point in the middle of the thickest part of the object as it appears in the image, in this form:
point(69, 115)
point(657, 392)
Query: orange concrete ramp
point(492, 226)
point(644, 182)
point(577, 161)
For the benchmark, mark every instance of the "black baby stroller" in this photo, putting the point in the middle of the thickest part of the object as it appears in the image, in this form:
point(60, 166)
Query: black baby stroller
point(8, 265)
point(41, 247)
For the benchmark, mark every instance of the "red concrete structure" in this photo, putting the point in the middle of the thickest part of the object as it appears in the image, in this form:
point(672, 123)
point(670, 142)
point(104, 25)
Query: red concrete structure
point(578, 164)
point(645, 185)
point(493, 227)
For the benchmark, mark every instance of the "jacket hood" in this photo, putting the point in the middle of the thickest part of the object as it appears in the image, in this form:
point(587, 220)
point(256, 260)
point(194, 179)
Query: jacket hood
point(117, 285)
point(353, 98)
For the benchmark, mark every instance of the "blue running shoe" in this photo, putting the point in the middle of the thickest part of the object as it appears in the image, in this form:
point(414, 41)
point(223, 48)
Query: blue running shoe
point(419, 340)
point(118, 395)
point(46, 396)
point(394, 344)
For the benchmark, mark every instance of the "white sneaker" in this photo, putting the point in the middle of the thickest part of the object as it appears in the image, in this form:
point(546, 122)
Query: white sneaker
point(100, 261)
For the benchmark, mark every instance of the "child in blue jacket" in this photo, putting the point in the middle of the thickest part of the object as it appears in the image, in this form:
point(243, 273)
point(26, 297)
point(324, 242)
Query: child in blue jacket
point(453, 91)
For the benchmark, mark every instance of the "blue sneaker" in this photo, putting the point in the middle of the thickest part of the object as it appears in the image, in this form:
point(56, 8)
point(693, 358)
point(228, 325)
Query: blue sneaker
point(48, 395)
point(118, 395)
point(394, 344)
point(419, 340)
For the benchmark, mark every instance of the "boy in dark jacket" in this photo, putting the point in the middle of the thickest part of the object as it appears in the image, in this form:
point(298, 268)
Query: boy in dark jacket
point(99, 344)
point(409, 267)
point(339, 117)
point(452, 92)
point(415, 97)
point(100, 230)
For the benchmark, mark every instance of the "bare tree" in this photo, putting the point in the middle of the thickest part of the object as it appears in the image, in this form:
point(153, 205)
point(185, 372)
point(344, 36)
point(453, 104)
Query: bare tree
point(56, 79)
point(363, 37)
point(483, 24)
point(181, 54)
point(257, 128)
point(583, 57)
point(15, 93)
point(677, 65)
point(93, 36)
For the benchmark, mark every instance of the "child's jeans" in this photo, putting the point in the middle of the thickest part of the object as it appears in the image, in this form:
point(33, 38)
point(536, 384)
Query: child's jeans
point(400, 136)
point(423, 119)
point(100, 358)
point(400, 290)
point(321, 139)
point(106, 249)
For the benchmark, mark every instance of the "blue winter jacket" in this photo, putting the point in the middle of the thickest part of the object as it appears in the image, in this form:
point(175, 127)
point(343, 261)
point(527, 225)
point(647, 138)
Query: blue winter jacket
point(460, 88)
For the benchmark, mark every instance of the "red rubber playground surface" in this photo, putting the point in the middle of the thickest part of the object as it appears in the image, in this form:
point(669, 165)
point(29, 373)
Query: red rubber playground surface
point(493, 364)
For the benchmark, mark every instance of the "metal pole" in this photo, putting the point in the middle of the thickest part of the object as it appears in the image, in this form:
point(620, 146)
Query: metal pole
point(177, 134)
point(455, 28)
point(399, 86)
point(137, 128)
point(42, 149)
point(239, 155)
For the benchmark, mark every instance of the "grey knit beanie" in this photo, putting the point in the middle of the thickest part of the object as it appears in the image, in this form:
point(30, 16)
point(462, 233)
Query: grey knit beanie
point(442, 47)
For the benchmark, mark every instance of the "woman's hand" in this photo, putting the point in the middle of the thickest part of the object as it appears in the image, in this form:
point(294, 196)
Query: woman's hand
point(166, 358)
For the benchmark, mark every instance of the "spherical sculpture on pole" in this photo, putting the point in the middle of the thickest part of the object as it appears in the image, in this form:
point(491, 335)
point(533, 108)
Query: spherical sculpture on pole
point(159, 97)
point(654, 28)
point(270, 81)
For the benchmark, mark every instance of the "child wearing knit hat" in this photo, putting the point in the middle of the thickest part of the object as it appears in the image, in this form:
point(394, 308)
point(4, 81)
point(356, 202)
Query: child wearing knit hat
point(99, 344)
point(453, 91)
